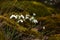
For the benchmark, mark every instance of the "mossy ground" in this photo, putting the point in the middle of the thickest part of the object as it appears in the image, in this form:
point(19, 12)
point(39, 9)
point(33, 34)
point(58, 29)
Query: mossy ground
point(11, 30)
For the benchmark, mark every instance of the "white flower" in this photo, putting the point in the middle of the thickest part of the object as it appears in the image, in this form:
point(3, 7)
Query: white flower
point(22, 16)
point(27, 16)
point(43, 27)
point(31, 18)
point(34, 14)
point(13, 16)
point(35, 21)
point(20, 21)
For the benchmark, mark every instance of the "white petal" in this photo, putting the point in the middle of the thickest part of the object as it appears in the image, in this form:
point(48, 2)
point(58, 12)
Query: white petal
point(22, 16)
point(13, 16)
point(35, 21)
point(34, 14)
point(20, 21)
point(26, 17)
point(43, 27)
point(32, 18)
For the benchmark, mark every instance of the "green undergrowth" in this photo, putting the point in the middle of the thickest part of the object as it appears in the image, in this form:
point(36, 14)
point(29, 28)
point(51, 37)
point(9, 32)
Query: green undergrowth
point(10, 27)
point(29, 6)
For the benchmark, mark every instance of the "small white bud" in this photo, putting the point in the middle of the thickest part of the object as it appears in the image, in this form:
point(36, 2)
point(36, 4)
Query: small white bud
point(43, 27)
point(34, 14)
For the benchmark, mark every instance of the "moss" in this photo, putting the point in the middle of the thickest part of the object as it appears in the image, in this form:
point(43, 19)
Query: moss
point(43, 14)
point(29, 6)
point(34, 7)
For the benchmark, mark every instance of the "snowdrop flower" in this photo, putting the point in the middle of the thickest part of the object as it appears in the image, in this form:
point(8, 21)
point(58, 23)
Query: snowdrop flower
point(35, 21)
point(43, 27)
point(22, 16)
point(20, 21)
point(31, 18)
point(13, 16)
point(27, 16)
point(34, 14)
